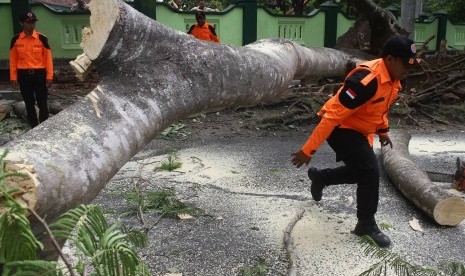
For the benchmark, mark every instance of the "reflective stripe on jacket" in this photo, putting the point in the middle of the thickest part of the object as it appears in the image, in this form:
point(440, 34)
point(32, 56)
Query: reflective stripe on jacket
point(205, 32)
point(30, 52)
point(362, 104)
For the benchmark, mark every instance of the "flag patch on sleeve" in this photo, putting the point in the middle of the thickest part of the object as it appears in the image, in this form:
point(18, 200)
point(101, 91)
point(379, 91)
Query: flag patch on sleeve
point(351, 93)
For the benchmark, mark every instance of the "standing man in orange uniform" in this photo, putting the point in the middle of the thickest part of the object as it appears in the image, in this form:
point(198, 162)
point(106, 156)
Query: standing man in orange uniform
point(31, 67)
point(349, 120)
point(202, 30)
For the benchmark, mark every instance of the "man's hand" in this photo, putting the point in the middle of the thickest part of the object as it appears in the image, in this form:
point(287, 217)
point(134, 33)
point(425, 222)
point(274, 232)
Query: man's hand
point(49, 83)
point(385, 140)
point(299, 158)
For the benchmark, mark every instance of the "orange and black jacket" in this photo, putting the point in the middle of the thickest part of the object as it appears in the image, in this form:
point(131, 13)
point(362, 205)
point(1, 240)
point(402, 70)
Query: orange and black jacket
point(361, 104)
point(30, 52)
point(205, 32)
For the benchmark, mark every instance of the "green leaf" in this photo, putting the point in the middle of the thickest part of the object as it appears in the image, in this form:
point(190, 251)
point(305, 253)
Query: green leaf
point(32, 268)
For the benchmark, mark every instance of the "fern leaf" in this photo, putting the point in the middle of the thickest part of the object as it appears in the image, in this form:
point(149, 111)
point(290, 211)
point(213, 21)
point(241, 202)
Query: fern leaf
point(17, 242)
point(90, 216)
point(83, 226)
point(137, 238)
point(115, 256)
point(142, 270)
point(453, 268)
point(374, 270)
point(36, 267)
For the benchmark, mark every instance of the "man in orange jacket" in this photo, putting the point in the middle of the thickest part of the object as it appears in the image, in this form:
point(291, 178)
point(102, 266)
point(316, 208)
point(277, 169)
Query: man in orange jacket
point(202, 30)
point(348, 123)
point(31, 66)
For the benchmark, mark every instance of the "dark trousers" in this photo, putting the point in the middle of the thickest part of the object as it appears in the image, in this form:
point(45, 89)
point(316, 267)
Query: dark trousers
point(33, 87)
point(360, 167)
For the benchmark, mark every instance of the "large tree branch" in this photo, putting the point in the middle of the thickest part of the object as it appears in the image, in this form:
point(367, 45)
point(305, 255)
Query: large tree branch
point(151, 76)
point(440, 205)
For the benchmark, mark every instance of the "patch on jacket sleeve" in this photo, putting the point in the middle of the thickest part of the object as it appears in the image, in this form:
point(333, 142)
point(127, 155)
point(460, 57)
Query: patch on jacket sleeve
point(354, 94)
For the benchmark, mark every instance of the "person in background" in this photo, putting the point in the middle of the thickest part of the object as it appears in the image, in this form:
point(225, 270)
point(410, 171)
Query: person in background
point(203, 30)
point(176, 5)
point(31, 67)
point(348, 123)
point(201, 7)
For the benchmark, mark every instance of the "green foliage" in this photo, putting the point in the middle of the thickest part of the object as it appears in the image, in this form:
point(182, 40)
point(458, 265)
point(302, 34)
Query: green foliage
point(32, 267)
point(387, 3)
point(17, 242)
point(260, 269)
point(453, 112)
point(163, 202)
point(276, 171)
point(453, 269)
point(106, 248)
point(385, 226)
point(172, 131)
point(137, 238)
point(217, 4)
point(13, 126)
point(391, 262)
point(454, 8)
point(172, 163)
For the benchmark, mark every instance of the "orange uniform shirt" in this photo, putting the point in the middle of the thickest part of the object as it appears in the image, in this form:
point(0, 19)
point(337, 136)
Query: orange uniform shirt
point(368, 117)
point(205, 32)
point(30, 52)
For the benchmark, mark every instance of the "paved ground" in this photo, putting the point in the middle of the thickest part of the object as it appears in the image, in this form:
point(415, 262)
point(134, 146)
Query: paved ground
point(251, 195)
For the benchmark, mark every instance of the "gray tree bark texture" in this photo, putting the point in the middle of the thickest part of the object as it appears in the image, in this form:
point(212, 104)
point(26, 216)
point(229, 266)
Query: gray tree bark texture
point(373, 26)
point(440, 205)
point(407, 17)
point(151, 77)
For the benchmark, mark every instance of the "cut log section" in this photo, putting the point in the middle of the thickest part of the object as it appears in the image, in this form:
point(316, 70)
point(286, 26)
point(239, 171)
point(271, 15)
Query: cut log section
point(439, 204)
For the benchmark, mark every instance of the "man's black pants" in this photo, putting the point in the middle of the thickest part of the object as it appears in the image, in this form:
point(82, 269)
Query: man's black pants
point(33, 87)
point(360, 167)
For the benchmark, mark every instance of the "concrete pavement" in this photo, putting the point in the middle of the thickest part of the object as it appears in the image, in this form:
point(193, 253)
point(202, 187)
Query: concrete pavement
point(251, 195)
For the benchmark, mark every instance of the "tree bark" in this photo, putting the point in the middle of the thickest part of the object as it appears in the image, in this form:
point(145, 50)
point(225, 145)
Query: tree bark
point(372, 28)
point(440, 205)
point(407, 17)
point(151, 77)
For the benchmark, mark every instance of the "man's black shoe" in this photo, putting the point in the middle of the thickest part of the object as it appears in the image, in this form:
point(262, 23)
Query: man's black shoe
point(317, 186)
point(373, 232)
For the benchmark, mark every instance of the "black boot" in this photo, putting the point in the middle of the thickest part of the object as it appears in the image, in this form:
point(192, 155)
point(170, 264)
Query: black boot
point(317, 186)
point(371, 230)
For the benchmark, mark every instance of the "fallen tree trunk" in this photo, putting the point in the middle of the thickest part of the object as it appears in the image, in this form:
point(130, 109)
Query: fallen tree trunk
point(151, 77)
point(443, 207)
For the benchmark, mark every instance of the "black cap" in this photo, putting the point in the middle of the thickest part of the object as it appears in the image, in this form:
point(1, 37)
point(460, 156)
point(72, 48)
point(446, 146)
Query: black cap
point(28, 16)
point(199, 14)
point(401, 47)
